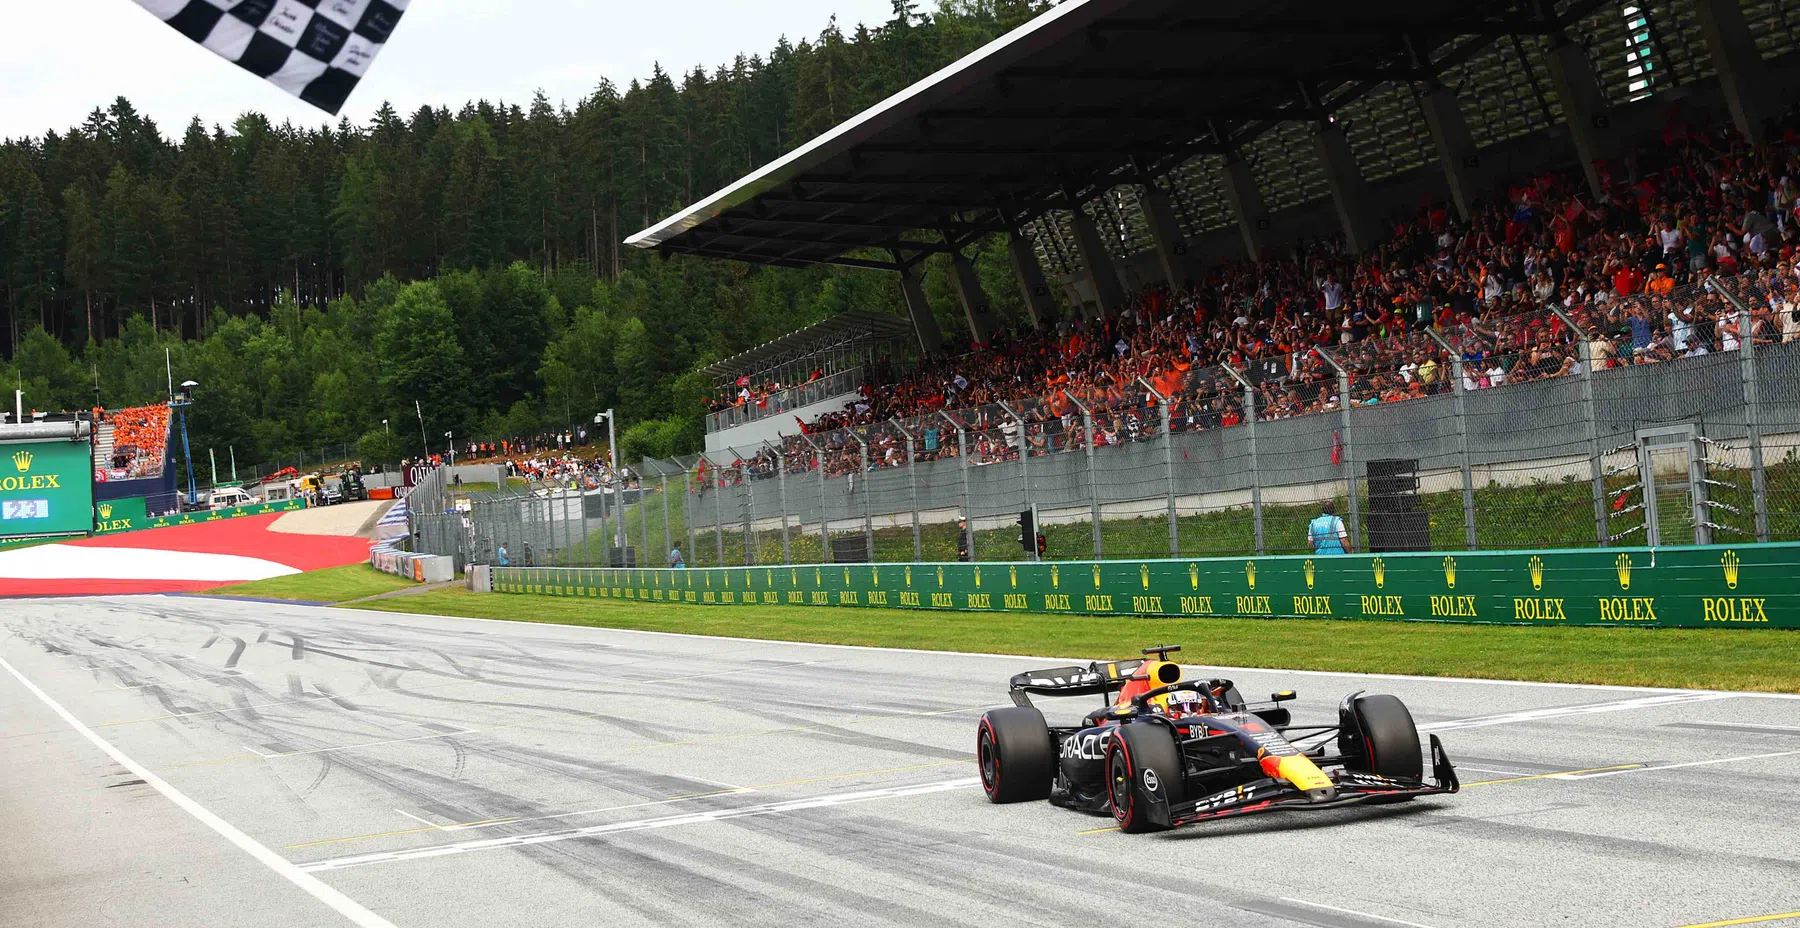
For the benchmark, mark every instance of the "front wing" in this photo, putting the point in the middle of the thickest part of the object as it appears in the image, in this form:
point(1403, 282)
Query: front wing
point(1269, 795)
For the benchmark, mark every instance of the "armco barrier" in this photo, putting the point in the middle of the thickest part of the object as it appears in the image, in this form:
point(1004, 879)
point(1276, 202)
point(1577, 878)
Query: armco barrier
point(1746, 586)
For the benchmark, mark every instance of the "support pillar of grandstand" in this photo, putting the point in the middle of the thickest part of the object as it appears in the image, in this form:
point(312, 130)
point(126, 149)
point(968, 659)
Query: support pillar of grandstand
point(1246, 202)
point(1168, 443)
point(1096, 261)
point(1462, 436)
point(912, 488)
point(1596, 465)
point(1743, 78)
point(1256, 500)
point(1349, 193)
point(1087, 444)
point(1032, 286)
point(982, 322)
point(1349, 456)
point(1455, 146)
point(1584, 108)
point(925, 327)
point(1165, 232)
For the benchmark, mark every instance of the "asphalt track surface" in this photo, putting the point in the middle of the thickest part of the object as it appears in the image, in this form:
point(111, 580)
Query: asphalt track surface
point(178, 761)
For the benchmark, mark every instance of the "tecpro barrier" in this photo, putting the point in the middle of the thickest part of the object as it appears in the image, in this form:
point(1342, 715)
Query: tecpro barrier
point(1746, 586)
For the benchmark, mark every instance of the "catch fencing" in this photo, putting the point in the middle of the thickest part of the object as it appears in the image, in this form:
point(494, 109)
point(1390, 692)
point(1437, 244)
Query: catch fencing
point(1645, 421)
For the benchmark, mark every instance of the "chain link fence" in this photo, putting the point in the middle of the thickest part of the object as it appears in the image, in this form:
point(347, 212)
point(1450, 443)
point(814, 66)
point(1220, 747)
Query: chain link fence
point(1662, 419)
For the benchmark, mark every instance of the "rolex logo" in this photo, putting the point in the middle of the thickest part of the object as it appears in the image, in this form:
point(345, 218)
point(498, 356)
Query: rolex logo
point(1144, 575)
point(1012, 574)
point(1309, 573)
point(22, 460)
point(1730, 563)
point(1096, 576)
point(1194, 576)
point(875, 576)
point(1537, 572)
point(846, 576)
point(794, 577)
point(1055, 577)
point(106, 513)
point(978, 578)
point(818, 577)
point(1250, 573)
point(940, 577)
point(747, 583)
point(1380, 573)
point(727, 575)
point(1450, 572)
point(909, 578)
point(1624, 565)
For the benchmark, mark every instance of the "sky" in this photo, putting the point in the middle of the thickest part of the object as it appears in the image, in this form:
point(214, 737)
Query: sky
point(67, 57)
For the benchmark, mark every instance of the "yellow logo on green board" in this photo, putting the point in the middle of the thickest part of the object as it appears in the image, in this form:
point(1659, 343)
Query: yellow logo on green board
point(1380, 573)
point(1250, 573)
point(1055, 577)
point(1144, 575)
point(1450, 572)
point(1013, 575)
point(1194, 575)
point(22, 461)
point(1624, 565)
point(1730, 563)
point(1537, 572)
point(1309, 573)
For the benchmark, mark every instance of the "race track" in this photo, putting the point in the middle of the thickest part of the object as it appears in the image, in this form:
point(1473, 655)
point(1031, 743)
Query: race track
point(282, 766)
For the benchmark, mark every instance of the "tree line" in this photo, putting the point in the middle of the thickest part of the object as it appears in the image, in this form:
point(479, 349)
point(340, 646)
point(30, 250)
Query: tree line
point(316, 280)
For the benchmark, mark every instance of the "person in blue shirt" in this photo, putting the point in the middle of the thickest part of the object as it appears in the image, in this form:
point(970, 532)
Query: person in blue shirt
point(501, 556)
point(675, 558)
point(1326, 533)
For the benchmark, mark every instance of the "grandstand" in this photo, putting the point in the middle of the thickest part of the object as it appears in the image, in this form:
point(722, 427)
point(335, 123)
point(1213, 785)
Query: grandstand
point(133, 456)
point(1565, 234)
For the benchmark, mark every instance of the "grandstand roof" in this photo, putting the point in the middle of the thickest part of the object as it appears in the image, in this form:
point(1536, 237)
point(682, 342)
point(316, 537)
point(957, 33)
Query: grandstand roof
point(854, 331)
point(1089, 95)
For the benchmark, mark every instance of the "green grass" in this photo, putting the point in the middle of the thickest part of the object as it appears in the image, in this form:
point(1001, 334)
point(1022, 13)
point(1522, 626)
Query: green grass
point(332, 585)
point(1710, 658)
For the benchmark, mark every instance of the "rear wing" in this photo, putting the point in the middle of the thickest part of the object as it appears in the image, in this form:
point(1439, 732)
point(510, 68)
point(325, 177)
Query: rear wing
point(1096, 679)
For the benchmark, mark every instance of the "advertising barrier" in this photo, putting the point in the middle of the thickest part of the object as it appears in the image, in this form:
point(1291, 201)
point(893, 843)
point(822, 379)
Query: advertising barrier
point(46, 488)
point(220, 515)
point(1742, 586)
point(112, 516)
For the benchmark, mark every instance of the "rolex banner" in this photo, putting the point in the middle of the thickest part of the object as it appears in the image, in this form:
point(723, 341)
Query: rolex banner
point(46, 488)
point(1742, 586)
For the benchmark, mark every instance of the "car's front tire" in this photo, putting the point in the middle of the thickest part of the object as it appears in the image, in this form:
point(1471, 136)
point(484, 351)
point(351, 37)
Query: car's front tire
point(1015, 755)
point(1140, 758)
point(1378, 735)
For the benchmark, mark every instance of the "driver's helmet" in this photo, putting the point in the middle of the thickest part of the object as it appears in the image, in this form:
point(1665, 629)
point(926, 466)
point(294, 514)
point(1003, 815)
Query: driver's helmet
point(1183, 703)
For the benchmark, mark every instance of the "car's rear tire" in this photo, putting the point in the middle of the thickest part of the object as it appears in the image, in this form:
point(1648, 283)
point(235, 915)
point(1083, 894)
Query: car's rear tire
point(1136, 753)
point(1378, 736)
point(1014, 752)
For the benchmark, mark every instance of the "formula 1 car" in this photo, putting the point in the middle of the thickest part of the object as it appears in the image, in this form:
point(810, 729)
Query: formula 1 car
point(1162, 752)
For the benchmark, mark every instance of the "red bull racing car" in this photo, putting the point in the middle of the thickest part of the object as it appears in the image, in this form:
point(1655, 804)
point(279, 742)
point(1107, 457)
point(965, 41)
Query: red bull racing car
point(1163, 752)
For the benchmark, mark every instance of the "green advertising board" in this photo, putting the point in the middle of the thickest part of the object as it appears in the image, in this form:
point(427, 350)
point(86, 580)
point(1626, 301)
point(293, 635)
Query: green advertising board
point(46, 488)
point(113, 516)
point(1742, 586)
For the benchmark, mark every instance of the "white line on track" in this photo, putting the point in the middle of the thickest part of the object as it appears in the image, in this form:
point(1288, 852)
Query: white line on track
point(420, 820)
point(1370, 915)
point(1691, 763)
point(349, 908)
point(692, 818)
point(1557, 712)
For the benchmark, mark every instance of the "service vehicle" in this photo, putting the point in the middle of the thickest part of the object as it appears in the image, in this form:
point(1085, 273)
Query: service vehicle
point(232, 497)
point(1162, 752)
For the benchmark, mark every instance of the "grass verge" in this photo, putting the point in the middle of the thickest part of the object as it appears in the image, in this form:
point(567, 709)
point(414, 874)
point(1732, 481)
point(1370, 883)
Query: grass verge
point(331, 585)
point(1703, 658)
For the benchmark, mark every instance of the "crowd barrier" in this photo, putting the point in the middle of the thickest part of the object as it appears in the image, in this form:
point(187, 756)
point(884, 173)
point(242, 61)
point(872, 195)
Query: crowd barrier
point(1745, 586)
point(113, 517)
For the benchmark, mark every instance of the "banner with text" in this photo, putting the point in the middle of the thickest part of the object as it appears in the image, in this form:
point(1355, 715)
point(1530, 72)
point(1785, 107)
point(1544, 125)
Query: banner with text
point(1702, 586)
point(46, 488)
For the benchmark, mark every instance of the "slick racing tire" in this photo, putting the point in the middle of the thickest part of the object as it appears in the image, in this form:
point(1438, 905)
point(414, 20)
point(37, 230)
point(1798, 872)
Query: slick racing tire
point(1013, 750)
point(1137, 757)
point(1379, 734)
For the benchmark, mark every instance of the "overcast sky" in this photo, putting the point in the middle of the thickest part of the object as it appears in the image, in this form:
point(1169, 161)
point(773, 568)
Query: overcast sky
point(63, 58)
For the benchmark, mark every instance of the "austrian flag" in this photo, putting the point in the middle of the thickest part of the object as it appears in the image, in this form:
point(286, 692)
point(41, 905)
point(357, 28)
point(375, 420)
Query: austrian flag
point(316, 50)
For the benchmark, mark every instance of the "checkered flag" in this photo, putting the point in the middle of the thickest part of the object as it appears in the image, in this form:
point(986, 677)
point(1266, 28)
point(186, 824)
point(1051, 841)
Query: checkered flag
point(314, 49)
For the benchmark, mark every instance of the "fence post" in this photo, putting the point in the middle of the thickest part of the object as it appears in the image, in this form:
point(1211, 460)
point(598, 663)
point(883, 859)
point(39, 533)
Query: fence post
point(1168, 433)
point(749, 506)
point(862, 456)
point(781, 495)
point(824, 515)
point(1024, 473)
point(1759, 487)
point(644, 558)
point(1087, 444)
point(1344, 404)
point(688, 510)
point(1596, 465)
point(1256, 500)
point(962, 455)
point(1462, 438)
point(718, 516)
point(912, 489)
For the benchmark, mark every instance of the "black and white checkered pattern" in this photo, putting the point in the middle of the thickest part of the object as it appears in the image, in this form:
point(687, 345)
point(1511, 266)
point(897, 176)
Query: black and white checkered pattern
point(314, 49)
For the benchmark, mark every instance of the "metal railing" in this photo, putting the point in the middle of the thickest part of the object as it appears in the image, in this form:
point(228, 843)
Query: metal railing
point(1649, 420)
point(780, 402)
